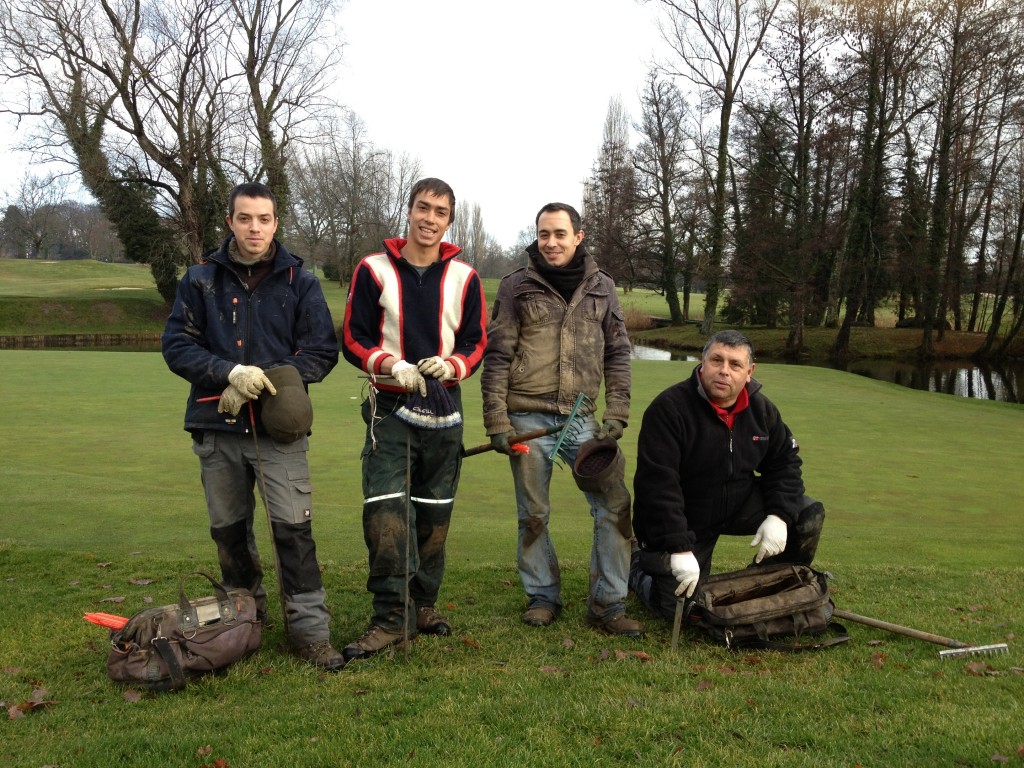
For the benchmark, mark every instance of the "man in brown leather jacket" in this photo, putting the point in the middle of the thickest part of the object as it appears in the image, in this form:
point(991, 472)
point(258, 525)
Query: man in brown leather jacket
point(557, 330)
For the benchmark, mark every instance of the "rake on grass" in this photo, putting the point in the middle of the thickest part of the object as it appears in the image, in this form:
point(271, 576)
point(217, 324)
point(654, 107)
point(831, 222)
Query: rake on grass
point(955, 648)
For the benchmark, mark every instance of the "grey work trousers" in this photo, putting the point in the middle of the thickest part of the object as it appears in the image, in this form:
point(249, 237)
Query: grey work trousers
point(230, 469)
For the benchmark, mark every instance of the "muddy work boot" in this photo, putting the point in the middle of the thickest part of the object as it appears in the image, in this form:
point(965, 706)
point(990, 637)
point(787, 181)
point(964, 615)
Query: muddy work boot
point(374, 640)
point(321, 654)
point(619, 626)
point(430, 622)
point(538, 616)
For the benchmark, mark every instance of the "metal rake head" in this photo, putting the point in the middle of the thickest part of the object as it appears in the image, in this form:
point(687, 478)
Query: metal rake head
point(975, 650)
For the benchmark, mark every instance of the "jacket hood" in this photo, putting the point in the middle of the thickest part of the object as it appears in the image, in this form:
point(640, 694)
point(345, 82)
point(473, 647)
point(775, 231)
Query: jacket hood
point(393, 247)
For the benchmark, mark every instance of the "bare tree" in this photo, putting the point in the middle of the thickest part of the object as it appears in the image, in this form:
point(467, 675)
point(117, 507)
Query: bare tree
point(716, 42)
point(36, 228)
point(155, 104)
point(661, 174)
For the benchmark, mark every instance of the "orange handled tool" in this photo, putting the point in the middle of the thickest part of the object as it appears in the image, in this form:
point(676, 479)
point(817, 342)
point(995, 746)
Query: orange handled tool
point(108, 620)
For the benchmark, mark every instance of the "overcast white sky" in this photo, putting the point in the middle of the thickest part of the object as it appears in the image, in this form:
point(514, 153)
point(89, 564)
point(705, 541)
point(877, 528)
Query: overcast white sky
point(505, 101)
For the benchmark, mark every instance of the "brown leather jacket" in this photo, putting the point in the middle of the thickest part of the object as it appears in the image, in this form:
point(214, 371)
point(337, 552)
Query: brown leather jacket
point(542, 352)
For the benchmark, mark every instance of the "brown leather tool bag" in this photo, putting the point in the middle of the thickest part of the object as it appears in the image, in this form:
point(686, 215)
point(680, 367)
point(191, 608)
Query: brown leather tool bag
point(160, 648)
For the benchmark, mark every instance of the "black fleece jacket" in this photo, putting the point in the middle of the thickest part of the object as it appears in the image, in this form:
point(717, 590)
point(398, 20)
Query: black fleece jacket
point(693, 473)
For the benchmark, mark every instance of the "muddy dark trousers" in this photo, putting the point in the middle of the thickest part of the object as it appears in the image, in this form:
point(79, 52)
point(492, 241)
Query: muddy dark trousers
point(435, 461)
point(650, 575)
point(229, 470)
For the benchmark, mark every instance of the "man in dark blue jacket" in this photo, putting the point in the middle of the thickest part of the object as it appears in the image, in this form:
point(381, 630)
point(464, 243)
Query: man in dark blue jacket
point(715, 458)
point(247, 309)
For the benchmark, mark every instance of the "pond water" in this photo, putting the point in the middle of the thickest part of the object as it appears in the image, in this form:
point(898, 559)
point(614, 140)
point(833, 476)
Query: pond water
point(981, 382)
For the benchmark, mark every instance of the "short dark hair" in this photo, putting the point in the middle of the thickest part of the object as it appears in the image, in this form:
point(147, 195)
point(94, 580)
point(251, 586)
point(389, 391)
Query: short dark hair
point(434, 187)
point(730, 339)
point(574, 216)
point(250, 189)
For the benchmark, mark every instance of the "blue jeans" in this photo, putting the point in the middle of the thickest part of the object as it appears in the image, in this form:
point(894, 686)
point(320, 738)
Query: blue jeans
point(535, 553)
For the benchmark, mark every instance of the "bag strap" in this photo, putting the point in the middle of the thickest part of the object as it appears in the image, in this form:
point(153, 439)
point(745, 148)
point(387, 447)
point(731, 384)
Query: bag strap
point(222, 593)
point(163, 647)
point(835, 628)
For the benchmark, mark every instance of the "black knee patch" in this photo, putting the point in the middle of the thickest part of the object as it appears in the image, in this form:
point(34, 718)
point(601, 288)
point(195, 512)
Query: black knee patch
point(296, 553)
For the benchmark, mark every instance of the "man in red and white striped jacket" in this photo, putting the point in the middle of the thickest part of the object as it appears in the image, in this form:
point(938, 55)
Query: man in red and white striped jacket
point(414, 312)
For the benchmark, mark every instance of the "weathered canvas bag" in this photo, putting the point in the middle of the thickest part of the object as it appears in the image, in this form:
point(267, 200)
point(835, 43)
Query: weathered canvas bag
point(160, 648)
point(766, 606)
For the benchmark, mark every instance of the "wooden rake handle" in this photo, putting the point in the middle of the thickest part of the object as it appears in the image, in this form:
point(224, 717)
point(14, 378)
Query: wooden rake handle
point(521, 438)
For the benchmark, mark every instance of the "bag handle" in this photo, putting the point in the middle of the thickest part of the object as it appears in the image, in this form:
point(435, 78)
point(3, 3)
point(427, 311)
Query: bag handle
point(222, 593)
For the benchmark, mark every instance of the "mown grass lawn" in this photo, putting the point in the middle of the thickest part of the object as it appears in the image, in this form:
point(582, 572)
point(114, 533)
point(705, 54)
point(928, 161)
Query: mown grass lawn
point(99, 489)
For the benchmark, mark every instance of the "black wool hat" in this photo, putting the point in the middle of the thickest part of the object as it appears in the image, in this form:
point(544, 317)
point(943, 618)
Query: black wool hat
point(599, 465)
point(288, 415)
point(435, 411)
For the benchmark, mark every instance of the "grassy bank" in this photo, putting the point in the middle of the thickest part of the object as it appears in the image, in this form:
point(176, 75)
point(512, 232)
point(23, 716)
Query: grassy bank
point(102, 500)
point(64, 297)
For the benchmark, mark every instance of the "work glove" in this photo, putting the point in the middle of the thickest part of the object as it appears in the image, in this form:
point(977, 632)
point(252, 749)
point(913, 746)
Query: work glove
point(250, 380)
point(771, 535)
point(612, 428)
point(687, 572)
point(408, 377)
point(231, 400)
point(500, 443)
point(434, 367)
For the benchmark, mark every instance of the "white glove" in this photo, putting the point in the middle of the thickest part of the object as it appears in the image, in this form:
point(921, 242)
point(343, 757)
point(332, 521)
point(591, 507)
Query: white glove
point(435, 367)
point(250, 380)
point(687, 572)
point(771, 536)
point(408, 377)
point(231, 400)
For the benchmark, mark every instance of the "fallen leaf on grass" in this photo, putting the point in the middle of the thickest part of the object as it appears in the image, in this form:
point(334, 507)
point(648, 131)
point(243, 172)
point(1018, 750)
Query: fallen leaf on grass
point(1000, 759)
point(132, 696)
point(568, 643)
point(111, 600)
point(140, 582)
point(550, 670)
point(20, 710)
point(1020, 751)
point(73, 583)
point(876, 642)
point(220, 762)
point(623, 655)
point(980, 669)
point(878, 660)
point(466, 640)
point(634, 703)
point(103, 565)
point(204, 751)
point(703, 685)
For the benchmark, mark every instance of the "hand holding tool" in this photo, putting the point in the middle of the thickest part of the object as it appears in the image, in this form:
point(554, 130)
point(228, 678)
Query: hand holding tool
point(771, 535)
point(687, 572)
point(500, 442)
point(231, 400)
point(408, 377)
point(250, 380)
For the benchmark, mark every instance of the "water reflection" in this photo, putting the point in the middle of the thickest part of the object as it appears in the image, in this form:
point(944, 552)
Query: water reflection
point(981, 382)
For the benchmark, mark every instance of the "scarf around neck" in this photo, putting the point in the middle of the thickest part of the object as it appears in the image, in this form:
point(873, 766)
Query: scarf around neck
point(565, 279)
